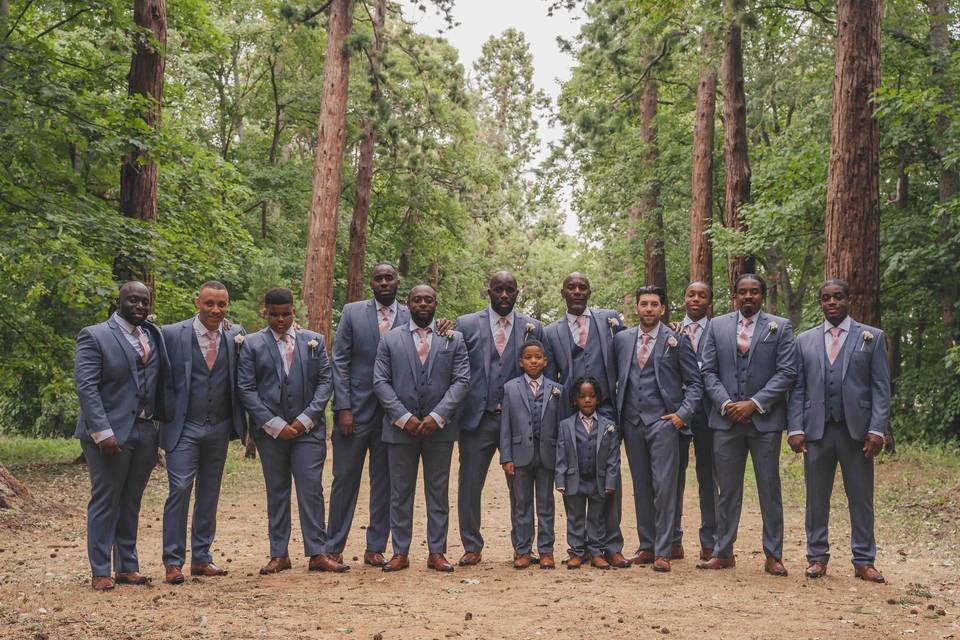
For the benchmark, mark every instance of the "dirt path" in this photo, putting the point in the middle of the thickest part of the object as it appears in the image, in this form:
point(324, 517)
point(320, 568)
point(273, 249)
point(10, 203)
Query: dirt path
point(44, 589)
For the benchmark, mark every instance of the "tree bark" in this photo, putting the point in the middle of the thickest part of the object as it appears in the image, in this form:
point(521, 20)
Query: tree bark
point(361, 205)
point(736, 160)
point(852, 225)
point(12, 491)
point(318, 273)
point(948, 177)
point(701, 192)
point(138, 170)
point(654, 260)
point(266, 206)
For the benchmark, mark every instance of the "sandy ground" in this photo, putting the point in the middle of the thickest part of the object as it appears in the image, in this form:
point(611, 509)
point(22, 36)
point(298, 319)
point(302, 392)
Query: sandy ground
point(45, 593)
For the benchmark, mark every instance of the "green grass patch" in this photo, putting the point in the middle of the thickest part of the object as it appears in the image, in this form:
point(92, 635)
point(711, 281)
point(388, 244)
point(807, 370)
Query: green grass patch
point(17, 451)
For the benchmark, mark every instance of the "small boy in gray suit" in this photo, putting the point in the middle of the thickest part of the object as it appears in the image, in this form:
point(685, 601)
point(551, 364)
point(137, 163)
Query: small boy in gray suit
point(529, 416)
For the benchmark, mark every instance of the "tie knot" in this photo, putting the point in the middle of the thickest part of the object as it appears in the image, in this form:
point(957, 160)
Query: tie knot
point(581, 320)
point(693, 327)
point(503, 322)
point(385, 312)
point(423, 331)
point(646, 338)
point(212, 335)
point(287, 338)
point(835, 331)
point(746, 322)
point(137, 332)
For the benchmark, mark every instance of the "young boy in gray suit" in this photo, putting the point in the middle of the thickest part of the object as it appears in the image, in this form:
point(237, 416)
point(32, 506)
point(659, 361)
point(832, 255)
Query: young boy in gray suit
point(587, 474)
point(528, 453)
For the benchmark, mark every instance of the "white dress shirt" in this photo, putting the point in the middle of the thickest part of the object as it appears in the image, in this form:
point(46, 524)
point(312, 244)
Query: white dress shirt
point(574, 328)
point(750, 329)
point(276, 424)
point(703, 328)
point(494, 318)
point(539, 381)
point(394, 308)
point(413, 326)
point(127, 330)
point(653, 340)
point(201, 332)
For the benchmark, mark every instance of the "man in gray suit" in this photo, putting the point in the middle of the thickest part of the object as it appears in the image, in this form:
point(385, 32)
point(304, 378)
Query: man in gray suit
point(839, 412)
point(121, 372)
point(285, 382)
point(493, 337)
point(658, 392)
point(697, 300)
point(420, 377)
point(580, 345)
point(749, 367)
point(207, 414)
point(359, 416)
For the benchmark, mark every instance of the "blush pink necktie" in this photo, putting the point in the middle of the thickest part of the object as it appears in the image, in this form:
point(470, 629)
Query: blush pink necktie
point(587, 423)
point(693, 332)
point(213, 345)
point(144, 345)
point(582, 325)
point(743, 338)
point(288, 351)
point(644, 351)
point(501, 339)
point(384, 320)
point(835, 344)
point(534, 387)
point(423, 347)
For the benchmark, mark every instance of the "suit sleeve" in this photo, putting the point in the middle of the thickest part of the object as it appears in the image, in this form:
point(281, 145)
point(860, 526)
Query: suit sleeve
point(383, 383)
point(506, 441)
point(710, 372)
point(341, 356)
point(692, 383)
point(247, 388)
point(613, 463)
point(560, 468)
point(324, 385)
point(798, 395)
point(87, 372)
point(783, 379)
point(459, 383)
point(880, 387)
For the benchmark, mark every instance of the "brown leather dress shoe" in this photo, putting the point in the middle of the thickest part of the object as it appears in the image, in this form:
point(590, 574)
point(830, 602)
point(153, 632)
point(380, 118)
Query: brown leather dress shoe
point(470, 558)
point(438, 562)
point(131, 577)
point(521, 560)
point(676, 552)
point(336, 556)
point(816, 569)
point(575, 562)
point(206, 569)
point(373, 558)
point(547, 561)
point(599, 562)
point(324, 562)
point(101, 583)
point(617, 560)
point(173, 574)
point(706, 553)
point(774, 567)
point(716, 563)
point(642, 557)
point(276, 565)
point(397, 563)
point(661, 565)
point(868, 573)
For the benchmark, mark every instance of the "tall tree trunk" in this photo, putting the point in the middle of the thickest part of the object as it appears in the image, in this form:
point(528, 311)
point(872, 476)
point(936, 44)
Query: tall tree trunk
point(4, 17)
point(138, 170)
point(633, 224)
point(361, 205)
point(654, 259)
point(948, 177)
point(318, 272)
point(701, 192)
point(735, 158)
point(266, 206)
point(852, 226)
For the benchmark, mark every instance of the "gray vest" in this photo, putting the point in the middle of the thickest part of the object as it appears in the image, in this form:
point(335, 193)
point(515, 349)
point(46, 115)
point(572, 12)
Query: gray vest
point(536, 409)
point(422, 409)
point(589, 361)
point(642, 400)
point(502, 369)
point(293, 391)
point(209, 388)
point(833, 384)
point(742, 359)
point(148, 375)
point(587, 456)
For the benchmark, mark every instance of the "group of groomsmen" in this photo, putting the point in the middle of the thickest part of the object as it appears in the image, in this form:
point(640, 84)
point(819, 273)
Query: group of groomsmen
point(556, 401)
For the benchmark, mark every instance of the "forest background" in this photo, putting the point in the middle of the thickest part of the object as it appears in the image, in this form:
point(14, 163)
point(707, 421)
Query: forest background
point(184, 140)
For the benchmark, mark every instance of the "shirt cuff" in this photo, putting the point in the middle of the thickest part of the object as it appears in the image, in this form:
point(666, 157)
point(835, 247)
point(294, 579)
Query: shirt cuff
point(790, 434)
point(402, 422)
point(876, 433)
point(100, 436)
point(306, 422)
point(275, 426)
point(723, 407)
point(759, 406)
point(440, 421)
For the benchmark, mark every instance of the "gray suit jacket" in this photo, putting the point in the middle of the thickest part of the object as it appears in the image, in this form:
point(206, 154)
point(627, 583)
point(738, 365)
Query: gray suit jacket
point(180, 338)
point(771, 369)
point(108, 387)
point(354, 354)
point(866, 384)
point(608, 454)
point(560, 344)
point(397, 385)
point(678, 375)
point(259, 377)
point(475, 328)
point(516, 428)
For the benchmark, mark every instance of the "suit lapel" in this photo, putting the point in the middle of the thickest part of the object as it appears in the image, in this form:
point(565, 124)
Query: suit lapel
point(373, 322)
point(186, 351)
point(851, 346)
point(525, 393)
point(402, 316)
point(411, 348)
point(303, 353)
point(271, 345)
point(566, 340)
point(547, 391)
point(628, 354)
point(700, 334)
point(818, 348)
point(599, 427)
point(519, 328)
point(438, 343)
point(485, 339)
point(659, 350)
point(231, 353)
point(128, 351)
point(603, 336)
point(760, 331)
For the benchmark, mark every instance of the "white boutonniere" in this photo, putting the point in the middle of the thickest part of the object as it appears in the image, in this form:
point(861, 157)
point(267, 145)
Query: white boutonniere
point(613, 322)
point(771, 329)
point(528, 330)
point(152, 318)
point(867, 337)
point(239, 339)
point(555, 392)
point(313, 344)
point(671, 342)
point(611, 428)
point(448, 334)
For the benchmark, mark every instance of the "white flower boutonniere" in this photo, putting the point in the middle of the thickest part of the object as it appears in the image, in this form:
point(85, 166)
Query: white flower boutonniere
point(555, 392)
point(867, 337)
point(448, 334)
point(239, 339)
point(613, 322)
point(152, 318)
point(771, 329)
point(528, 330)
point(611, 428)
point(671, 342)
point(313, 344)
